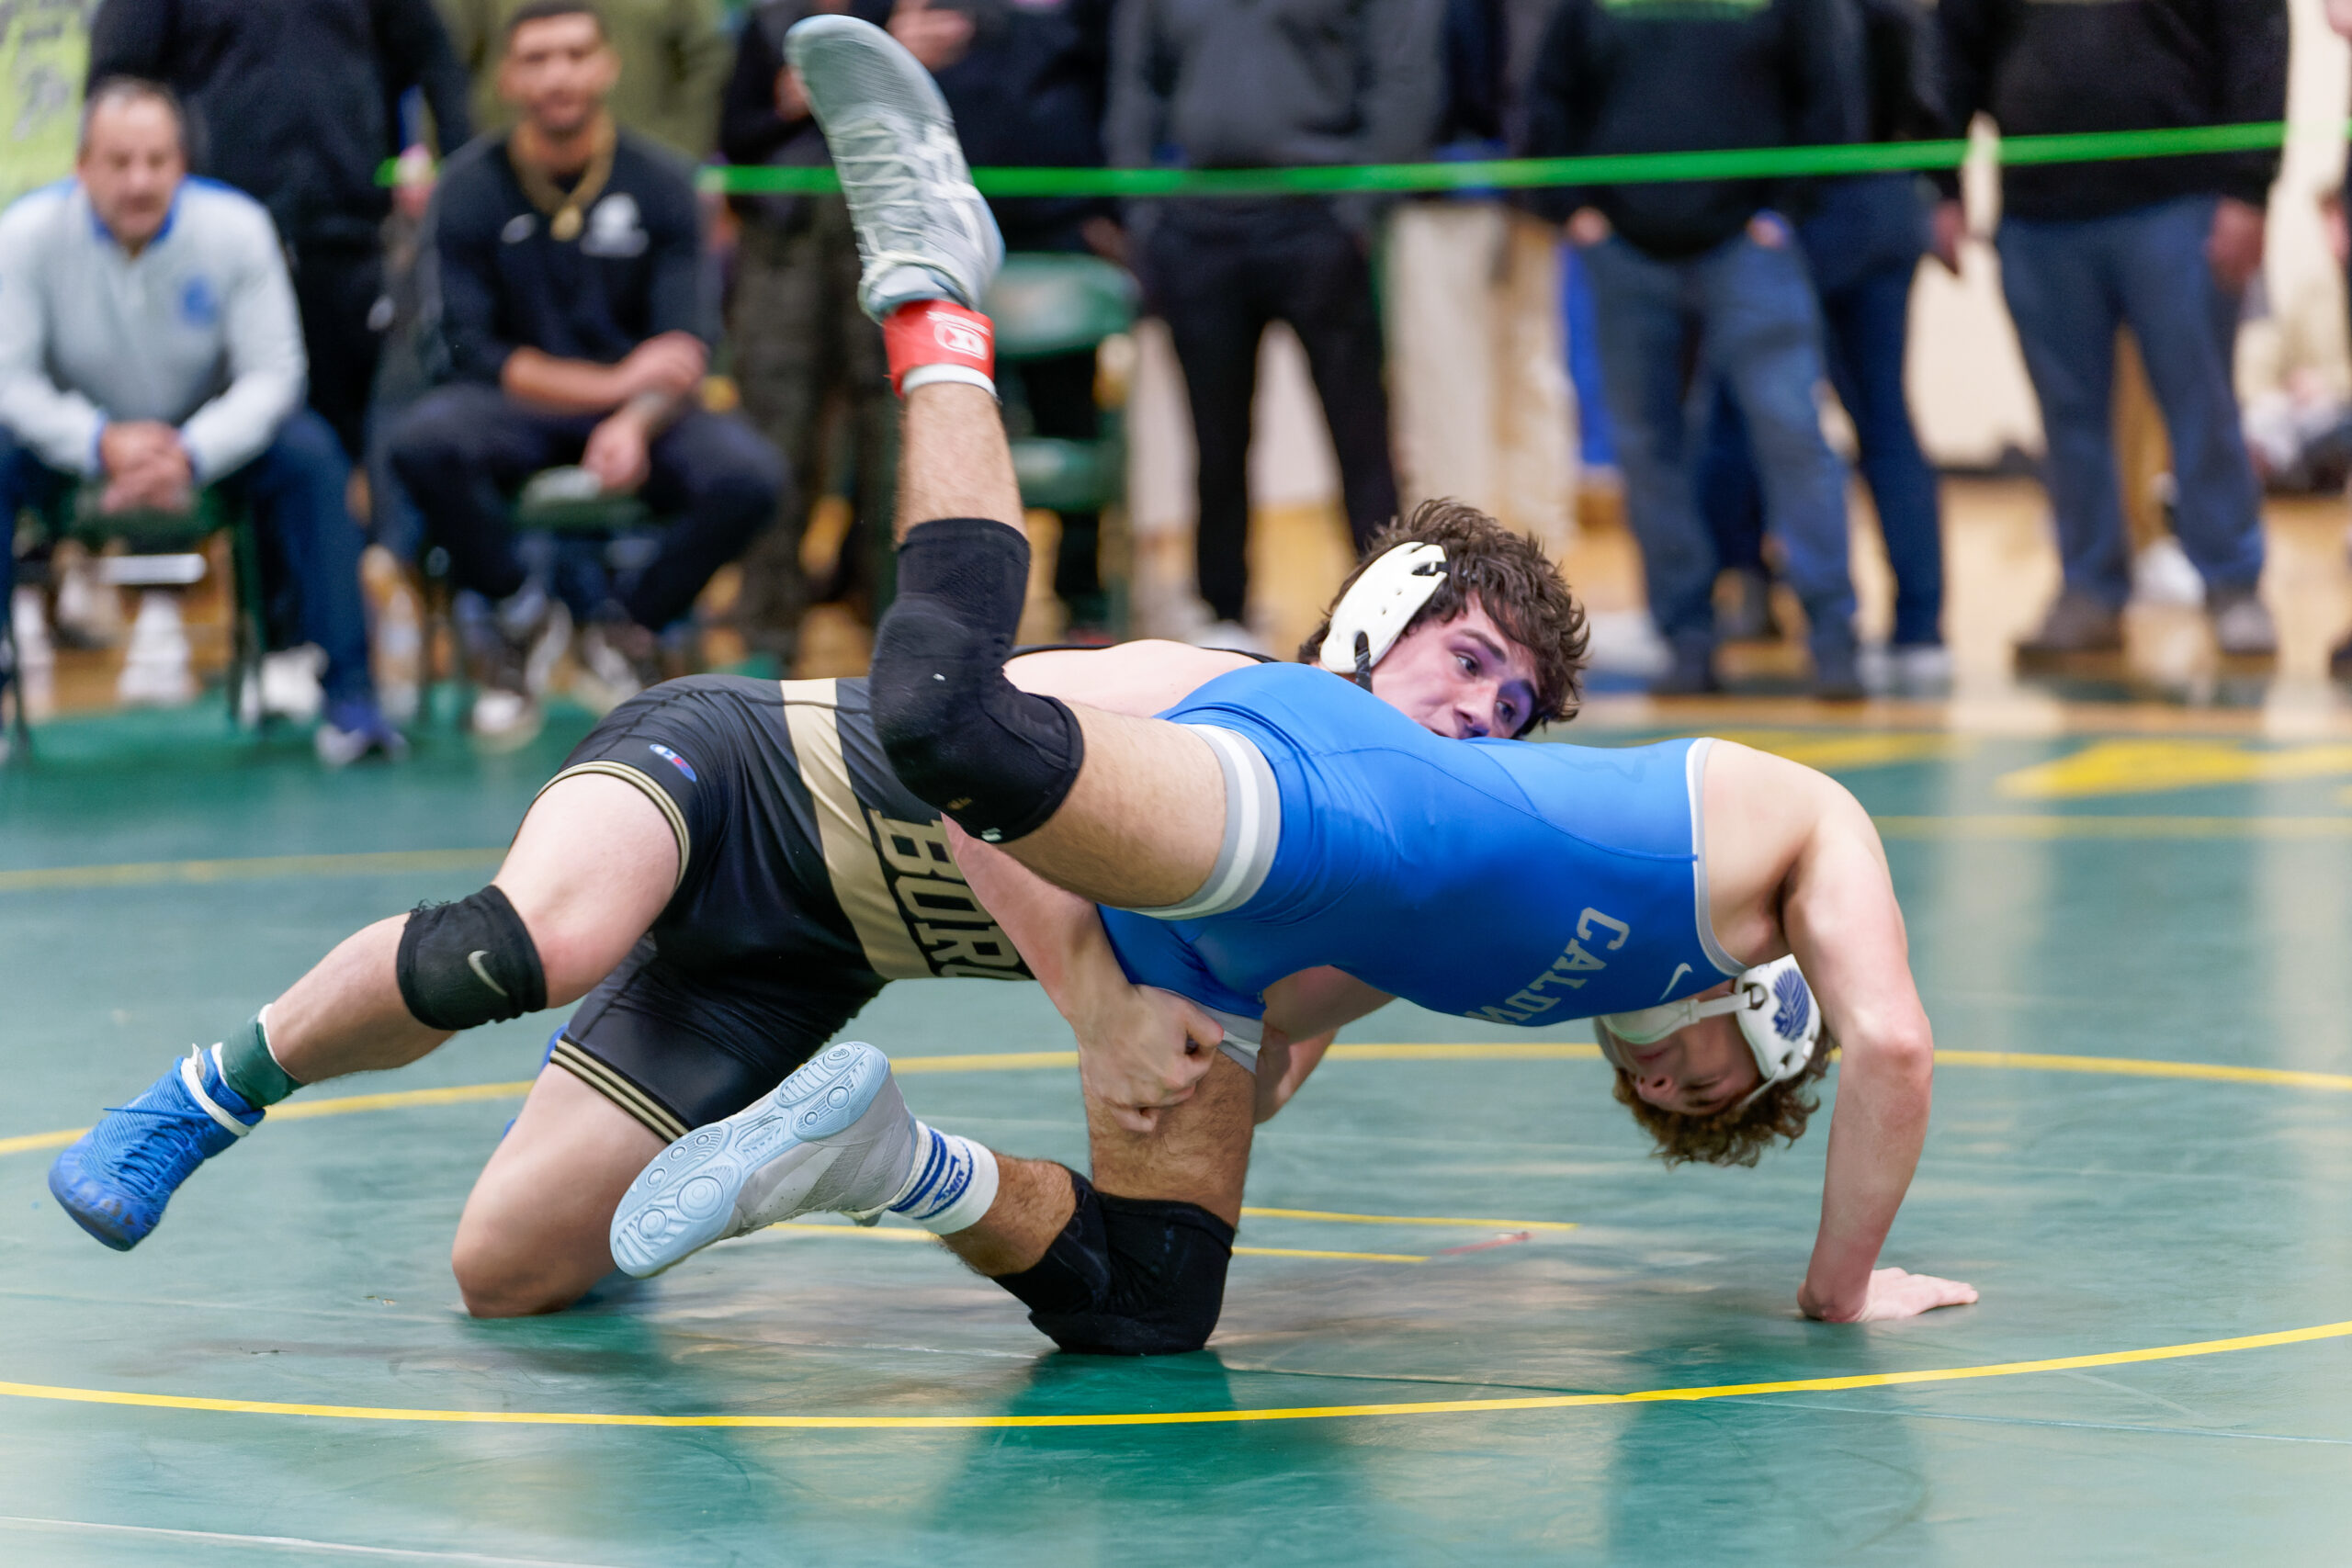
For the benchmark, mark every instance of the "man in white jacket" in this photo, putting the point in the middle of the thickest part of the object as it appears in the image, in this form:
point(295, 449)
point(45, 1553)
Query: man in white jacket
point(149, 349)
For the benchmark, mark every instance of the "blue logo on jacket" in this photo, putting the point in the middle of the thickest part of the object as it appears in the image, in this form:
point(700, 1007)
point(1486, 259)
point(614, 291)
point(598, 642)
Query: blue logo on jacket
point(674, 759)
point(200, 307)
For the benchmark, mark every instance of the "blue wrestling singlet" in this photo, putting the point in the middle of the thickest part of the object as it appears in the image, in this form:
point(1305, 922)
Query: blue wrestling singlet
point(1521, 883)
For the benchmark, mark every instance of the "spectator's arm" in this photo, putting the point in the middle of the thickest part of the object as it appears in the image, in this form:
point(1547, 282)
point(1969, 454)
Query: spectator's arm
point(1557, 108)
point(127, 38)
point(418, 52)
point(463, 285)
point(267, 369)
point(751, 127)
point(1404, 82)
point(678, 296)
point(2250, 51)
point(1968, 48)
point(701, 58)
point(1134, 122)
point(61, 426)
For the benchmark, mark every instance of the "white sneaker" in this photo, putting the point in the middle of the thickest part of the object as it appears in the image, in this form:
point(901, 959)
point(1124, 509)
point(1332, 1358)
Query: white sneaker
point(2163, 574)
point(89, 609)
point(1913, 670)
point(155, 671)
point(290, 682)
point(924, 230)
point(833, 1137)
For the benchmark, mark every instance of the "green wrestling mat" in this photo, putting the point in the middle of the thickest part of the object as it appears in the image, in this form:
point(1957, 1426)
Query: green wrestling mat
point(1472, 1323)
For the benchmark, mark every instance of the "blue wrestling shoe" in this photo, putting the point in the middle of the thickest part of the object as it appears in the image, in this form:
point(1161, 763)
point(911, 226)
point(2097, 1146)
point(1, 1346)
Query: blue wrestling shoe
point(834, 1137)
point(118, 1176)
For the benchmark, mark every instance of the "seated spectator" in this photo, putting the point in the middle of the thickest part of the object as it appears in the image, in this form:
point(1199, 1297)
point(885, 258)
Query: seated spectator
point(149, 349)
point(673, 56)
point(570, 274)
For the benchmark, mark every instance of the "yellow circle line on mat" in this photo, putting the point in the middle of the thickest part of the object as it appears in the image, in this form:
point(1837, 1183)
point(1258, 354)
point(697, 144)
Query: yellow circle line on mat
point(2120, 1066)
point(1185, 1417)
point(2025, 826)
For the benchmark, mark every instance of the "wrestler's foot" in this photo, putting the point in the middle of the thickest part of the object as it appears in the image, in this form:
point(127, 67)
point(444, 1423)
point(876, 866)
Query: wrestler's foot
point(116, 1178)
point(834, 1136)
point(923, 228)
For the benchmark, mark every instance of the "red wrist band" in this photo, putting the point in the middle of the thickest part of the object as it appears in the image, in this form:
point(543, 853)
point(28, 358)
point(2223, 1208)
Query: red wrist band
point(954, 343)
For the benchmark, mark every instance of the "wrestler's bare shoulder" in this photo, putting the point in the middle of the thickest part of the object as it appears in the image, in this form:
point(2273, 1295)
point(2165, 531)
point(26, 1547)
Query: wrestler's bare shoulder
point(1763, 814)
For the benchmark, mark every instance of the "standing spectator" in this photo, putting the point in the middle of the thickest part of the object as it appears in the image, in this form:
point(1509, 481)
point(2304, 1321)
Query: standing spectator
point(1716, 257)
point(149, 349)
point(291, 101)
point(673, 57)
point(804, 352)
point(1248, 83)
point(1026, 87)
point(2163, 246)
point(569, 268)
point(1862, 243)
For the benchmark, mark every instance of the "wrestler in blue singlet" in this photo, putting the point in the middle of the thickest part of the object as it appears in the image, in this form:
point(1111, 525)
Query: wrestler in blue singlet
point(1523, 884)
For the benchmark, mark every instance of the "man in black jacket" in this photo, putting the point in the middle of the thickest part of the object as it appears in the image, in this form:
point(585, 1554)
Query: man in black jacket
point(2163, 246)
point(1253, 84)
point(571, 281)
point(294, 103)
point(1716, 255)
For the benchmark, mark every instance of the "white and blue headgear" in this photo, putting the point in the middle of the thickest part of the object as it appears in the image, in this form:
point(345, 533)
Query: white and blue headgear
point(1778, 1018)
point(1372, 613)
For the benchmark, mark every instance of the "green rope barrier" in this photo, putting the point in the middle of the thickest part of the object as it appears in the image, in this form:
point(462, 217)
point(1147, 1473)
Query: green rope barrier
point(1500, 173)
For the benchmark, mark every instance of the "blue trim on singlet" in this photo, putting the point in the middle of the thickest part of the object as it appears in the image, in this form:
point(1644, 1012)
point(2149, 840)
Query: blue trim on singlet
point(1505, 880)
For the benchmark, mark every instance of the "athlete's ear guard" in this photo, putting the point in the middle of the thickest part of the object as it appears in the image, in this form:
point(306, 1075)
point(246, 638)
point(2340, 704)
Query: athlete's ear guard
point(1372, 613)
point(1777, 1016)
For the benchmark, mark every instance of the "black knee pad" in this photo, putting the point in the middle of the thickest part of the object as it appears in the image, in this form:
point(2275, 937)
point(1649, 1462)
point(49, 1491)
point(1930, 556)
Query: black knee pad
point(1128, 1277)
point(957, 733)
point(468, 962)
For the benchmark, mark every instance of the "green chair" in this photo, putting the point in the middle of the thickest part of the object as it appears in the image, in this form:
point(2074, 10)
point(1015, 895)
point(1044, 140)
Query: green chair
point(1049, 304)
point(76, 516)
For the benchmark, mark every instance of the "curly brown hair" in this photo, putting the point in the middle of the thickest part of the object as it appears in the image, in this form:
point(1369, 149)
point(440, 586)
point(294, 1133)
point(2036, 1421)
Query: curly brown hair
point(1510, 578)
point(1737, 1137)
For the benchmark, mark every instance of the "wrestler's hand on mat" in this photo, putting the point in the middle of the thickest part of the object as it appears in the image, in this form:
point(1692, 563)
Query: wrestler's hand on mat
point(1895, 1293)
point(1141, 1050)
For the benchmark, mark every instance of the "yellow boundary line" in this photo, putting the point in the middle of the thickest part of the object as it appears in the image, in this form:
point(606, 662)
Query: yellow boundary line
point(2024, 826)
point(2120, 1066)
point(1183, 1417)
point(2123, 1065)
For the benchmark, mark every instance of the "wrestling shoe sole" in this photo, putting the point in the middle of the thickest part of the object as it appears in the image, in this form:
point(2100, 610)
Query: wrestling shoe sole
point(693, 1191)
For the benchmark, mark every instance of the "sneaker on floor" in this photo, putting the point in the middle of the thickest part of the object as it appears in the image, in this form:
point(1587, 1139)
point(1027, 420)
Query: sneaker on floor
point(1907, 669)
point(1690, 671)
point(2242, 625)
point(833, 1137)
point(355, 728)
point(617, 658)
point(1230, 636)
point(2076, 624)
point(155, 671)
point(523, 637)
point(116, 1178)
point(922, 229)
point(1837, 674)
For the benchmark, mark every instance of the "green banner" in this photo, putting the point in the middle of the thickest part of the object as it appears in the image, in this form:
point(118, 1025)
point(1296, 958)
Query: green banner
point(44, 50)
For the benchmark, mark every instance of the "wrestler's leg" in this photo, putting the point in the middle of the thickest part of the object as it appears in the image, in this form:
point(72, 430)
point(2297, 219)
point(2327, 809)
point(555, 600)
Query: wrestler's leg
point(593, 865)
point(534, 1236)
point(1144, 820)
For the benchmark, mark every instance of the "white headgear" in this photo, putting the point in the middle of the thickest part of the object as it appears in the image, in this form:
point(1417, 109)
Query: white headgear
point(1372, 613)
point(1778, 1018)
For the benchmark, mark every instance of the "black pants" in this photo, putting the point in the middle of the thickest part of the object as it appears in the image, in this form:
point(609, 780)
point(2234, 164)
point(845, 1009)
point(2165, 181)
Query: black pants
point(462, 451)
point(336, 289)
point(1221, 272)
point(1059, 390)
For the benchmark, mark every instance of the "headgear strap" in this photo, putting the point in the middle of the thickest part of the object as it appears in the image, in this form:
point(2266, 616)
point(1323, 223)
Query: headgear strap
point(1778, 1018)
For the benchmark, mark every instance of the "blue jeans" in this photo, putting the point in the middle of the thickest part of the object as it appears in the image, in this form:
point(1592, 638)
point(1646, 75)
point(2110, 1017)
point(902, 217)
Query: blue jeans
point(295, 493)
point(1757, 332)
point(1864, 243)
point(2070, 286)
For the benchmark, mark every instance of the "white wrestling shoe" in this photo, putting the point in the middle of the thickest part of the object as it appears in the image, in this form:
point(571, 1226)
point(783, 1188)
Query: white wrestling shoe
point(833, 1137)
point(923, 228)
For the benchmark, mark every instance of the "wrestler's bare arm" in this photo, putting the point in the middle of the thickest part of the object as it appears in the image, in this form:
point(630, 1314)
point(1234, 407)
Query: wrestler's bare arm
point(1794, 865)
point(1137, 679)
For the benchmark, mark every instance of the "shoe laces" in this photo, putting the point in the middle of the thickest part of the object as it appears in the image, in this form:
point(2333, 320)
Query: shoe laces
point(908, 183)
point(154, 1163)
